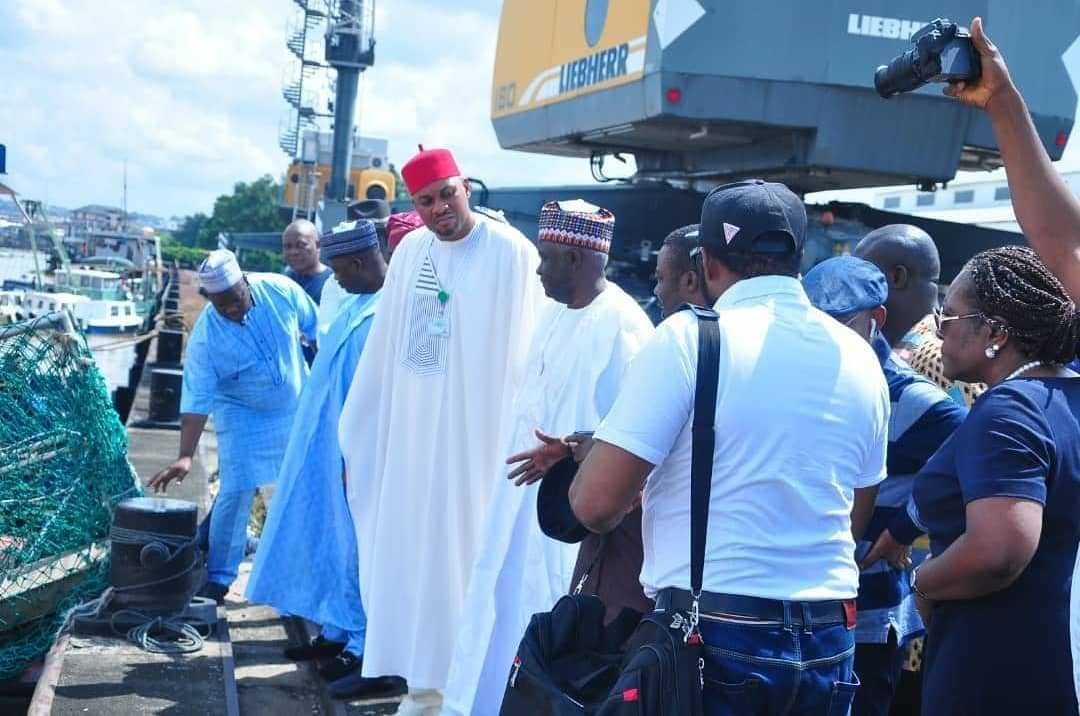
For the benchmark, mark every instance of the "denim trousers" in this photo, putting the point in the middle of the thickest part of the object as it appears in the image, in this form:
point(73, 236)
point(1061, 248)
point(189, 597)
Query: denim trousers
point(228, 535)
point(769, 668)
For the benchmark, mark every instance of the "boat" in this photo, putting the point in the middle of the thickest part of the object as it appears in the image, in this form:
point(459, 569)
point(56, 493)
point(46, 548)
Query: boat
point(91, 315)
point(39, 303)
point(110, 309)
point(11, 307)
point(107, 316)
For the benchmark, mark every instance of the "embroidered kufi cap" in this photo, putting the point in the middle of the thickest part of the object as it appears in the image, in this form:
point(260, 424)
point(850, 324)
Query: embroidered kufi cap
point(577, 223)
point(219, 271)
point(349, 237)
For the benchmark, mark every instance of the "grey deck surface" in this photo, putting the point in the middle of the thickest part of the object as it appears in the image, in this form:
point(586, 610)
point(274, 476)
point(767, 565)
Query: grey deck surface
point(111, 676)
point(95, 675)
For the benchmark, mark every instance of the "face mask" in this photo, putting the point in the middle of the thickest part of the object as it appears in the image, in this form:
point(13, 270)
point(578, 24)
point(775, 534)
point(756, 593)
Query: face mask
point(873, 329)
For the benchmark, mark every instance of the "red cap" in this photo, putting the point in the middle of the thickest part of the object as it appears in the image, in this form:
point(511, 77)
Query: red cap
point(397, 225)
point(427, 166)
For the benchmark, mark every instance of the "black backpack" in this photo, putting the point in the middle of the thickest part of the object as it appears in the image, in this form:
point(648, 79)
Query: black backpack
point(570, 664)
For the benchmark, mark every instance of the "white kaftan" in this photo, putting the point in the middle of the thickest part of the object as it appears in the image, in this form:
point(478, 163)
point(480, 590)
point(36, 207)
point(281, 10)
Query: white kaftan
point(576, 365)
point(423, 431)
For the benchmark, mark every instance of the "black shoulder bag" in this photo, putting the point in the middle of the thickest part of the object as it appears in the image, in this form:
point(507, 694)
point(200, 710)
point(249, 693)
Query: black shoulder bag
point(569, 664)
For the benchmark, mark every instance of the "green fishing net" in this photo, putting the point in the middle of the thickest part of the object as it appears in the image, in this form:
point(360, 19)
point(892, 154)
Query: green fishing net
point(63, 468)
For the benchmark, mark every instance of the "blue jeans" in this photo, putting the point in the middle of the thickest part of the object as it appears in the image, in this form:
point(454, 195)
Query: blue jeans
point(771, 668)
point(228, 535)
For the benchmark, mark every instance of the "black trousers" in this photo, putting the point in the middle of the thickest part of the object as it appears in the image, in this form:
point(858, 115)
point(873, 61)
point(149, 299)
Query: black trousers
point(878, 669)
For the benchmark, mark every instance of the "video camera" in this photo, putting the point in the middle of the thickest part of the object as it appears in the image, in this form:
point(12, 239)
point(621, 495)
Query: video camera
point(943, 53)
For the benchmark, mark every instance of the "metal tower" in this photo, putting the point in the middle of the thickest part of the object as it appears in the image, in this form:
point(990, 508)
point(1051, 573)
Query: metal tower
point(298, 81)
point(350, 49)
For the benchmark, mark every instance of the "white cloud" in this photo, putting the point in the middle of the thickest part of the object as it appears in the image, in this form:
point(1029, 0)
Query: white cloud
point(188, 92)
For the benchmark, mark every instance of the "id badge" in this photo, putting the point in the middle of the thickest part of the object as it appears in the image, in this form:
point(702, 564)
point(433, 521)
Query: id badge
point(439, 327)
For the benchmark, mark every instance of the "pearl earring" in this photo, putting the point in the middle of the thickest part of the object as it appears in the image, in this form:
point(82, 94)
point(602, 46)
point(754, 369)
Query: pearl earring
point(991, 351)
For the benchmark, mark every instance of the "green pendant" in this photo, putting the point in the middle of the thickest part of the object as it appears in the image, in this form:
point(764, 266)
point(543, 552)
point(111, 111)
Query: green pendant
point(443, 296)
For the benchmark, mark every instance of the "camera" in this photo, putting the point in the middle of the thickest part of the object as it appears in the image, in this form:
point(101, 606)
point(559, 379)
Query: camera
point(943, 53)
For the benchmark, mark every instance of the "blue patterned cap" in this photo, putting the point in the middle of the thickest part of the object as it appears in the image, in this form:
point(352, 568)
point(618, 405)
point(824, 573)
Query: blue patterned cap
point(844, 285)
point(350, 237)
point(577, 223)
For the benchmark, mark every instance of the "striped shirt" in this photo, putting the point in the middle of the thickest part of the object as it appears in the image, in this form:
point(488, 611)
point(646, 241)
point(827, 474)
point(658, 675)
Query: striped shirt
point(922, 418)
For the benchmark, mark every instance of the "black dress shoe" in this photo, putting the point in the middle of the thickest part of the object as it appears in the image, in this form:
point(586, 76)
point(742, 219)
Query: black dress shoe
point(215, 591)
point(355, 686)
point(317, 648)
point(343, 664)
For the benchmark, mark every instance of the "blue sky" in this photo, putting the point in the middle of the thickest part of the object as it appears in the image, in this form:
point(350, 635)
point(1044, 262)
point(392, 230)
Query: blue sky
point(189, 93)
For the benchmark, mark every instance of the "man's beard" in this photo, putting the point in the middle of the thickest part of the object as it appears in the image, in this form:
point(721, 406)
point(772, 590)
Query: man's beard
point(445, 233)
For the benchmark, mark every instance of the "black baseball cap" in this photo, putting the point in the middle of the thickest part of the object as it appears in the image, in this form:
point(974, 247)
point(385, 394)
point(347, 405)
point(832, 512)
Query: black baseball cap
point(370, 209)
point(753, 216)
point(553, 510)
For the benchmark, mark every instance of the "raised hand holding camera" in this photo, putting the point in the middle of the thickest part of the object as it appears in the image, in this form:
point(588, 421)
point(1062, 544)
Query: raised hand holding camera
point(994, 76)
point(943, 52)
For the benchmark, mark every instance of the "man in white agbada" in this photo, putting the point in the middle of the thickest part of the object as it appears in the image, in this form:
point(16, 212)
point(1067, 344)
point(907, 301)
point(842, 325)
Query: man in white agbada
point(423, 428)
point(580, 350)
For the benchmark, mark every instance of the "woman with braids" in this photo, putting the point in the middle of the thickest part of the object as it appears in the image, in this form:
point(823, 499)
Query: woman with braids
point(1001, 499)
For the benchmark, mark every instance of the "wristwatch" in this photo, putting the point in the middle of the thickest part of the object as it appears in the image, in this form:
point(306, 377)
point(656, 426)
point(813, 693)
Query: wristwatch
point(913, 583)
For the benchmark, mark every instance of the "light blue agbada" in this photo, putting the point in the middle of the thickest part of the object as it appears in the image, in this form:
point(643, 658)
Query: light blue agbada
point(306, 562)
point(249, 377)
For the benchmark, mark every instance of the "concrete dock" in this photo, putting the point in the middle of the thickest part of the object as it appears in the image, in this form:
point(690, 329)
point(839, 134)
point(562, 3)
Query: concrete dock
point(240, 671)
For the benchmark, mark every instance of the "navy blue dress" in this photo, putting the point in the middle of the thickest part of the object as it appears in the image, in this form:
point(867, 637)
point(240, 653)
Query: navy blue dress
point(1007, 652)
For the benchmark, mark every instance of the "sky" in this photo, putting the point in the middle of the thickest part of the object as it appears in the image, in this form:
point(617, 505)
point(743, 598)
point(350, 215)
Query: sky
point(188, 94)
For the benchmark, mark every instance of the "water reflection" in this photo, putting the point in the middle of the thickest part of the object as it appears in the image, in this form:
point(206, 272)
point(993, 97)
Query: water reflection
point(113, 361)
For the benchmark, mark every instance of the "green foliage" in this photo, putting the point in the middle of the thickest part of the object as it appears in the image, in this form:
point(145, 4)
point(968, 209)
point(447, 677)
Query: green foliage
point(251, 207)
point(268, 261)
point(188, 233)
point(173, 250)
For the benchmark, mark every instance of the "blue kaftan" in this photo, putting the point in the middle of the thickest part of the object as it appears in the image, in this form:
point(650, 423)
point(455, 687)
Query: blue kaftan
point(306, 562)
point(249, 376)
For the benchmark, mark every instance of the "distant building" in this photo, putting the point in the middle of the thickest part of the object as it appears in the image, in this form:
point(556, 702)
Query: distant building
point(147, 221)
point(983, 203)
point(95, 217)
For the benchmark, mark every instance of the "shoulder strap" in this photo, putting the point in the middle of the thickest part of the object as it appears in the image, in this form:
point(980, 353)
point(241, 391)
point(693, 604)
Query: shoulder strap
point(704, 440)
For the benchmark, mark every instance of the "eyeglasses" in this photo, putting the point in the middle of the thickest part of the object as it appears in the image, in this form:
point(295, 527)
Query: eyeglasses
point(850, 320)
point(941, 319)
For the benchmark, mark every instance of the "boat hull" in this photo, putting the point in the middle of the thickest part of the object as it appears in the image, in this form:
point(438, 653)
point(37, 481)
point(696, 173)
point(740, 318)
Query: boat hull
point(110, 329)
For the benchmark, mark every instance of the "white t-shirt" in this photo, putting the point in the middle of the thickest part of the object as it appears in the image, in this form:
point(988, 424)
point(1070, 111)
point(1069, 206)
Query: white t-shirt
point(801, 421)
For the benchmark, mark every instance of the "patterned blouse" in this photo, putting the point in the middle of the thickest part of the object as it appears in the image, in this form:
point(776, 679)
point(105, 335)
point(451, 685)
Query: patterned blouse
point(921, 349)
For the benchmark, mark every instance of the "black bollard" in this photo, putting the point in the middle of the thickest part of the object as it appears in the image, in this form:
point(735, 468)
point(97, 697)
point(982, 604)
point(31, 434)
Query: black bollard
point(156, 566)
point(165, 386)
point(169, 346)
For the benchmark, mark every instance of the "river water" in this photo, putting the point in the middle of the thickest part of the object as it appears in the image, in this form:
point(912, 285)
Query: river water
point(113, 360)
